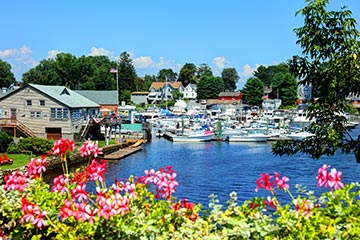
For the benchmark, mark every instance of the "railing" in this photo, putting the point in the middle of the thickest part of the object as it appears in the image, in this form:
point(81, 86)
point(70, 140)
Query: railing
point(14, 123)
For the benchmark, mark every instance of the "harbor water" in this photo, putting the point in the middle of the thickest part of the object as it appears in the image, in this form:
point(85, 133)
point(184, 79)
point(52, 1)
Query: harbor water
point(220, 168)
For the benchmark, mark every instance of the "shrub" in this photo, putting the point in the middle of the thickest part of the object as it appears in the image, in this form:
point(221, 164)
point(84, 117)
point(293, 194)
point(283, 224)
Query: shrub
point(5, 140)
point(37, 146)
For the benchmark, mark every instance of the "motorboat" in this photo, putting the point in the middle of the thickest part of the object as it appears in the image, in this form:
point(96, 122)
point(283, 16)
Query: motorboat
point(193, 136)
point(298, 136)
point(251, 135)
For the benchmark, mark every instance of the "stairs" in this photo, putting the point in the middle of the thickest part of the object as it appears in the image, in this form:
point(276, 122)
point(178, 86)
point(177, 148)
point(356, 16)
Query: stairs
point(24, 129)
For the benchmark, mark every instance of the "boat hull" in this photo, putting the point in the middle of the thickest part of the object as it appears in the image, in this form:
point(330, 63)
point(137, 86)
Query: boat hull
point(259, 138)
point(193, 138)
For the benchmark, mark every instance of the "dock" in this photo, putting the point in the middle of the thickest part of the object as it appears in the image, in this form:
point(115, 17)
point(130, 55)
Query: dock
point(124, 152)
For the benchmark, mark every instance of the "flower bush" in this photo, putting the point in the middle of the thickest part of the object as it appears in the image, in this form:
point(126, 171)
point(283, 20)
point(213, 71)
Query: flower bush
point(144, 207)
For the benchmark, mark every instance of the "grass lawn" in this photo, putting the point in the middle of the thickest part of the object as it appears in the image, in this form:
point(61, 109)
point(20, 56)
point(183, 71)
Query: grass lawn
point(19, 161)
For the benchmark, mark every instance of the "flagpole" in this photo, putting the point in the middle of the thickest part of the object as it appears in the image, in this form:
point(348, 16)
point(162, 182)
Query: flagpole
point(117, 84)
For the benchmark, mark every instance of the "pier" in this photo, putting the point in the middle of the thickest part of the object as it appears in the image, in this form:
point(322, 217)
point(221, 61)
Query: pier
point(122, 150)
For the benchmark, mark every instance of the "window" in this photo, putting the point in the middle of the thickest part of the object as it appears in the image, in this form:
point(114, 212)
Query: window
point(76, 113)
point(59, 113)
point(35, 114)
point(28, 102)
point(41, 102)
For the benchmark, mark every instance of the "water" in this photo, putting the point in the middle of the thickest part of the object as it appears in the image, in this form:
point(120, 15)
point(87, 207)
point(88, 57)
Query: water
point(220, 168)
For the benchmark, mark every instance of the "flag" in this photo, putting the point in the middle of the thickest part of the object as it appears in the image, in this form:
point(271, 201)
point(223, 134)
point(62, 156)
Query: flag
point(113, 70)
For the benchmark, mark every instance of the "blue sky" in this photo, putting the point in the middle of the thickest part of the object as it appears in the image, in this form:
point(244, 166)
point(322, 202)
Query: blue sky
point(158, 34)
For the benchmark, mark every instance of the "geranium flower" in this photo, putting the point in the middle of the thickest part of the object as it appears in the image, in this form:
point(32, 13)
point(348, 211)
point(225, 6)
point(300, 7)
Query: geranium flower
point(62, 146)
point(89, 148)
point(16, 180)
point(37, 166)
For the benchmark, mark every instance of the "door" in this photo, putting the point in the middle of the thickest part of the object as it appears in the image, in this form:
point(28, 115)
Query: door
point(13, 114)
point(53, 133)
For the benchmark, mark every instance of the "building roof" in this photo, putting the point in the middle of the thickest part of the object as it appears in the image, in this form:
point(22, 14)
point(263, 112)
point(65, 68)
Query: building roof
point(102, 97)
point(64, 95)
point(230, 94)
point(138, 93)
point(159, 85)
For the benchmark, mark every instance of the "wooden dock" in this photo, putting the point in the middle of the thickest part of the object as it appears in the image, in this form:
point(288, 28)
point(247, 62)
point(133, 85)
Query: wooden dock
point(124, 152)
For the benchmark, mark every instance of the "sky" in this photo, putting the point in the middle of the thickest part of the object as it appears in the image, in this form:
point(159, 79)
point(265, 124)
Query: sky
point(157, 34)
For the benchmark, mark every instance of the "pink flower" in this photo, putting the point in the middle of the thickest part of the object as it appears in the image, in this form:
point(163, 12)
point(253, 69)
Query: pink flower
point(330, 179)
point(32, 213)
point(281, 183)
point(16, 180)
point(96, 170)
point(264, 182)
point(62, 146)
point(80, 193)
point(37, 166)
point(60, 183)
point(66, 210)
point(335, 179)
point(89, 148)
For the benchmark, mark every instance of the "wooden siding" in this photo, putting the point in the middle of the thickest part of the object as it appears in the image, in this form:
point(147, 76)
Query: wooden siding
point(19, 99)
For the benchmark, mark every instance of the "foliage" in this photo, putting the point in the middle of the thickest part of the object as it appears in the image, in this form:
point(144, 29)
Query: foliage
point(203, 70)
point(330, 65)
point(166, 75)
point(144, 208)
point(6, 76)
point(187, 74)
point(5, 140)
point(36, 146)
point(253, 91)
point(285, 86)
point(127, 76)
point(266, 74)
point(85, 73)
point(209, 87)
point(230, 77)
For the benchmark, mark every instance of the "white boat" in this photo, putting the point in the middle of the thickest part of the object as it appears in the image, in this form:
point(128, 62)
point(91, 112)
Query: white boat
point(195, 136)
point(298, 136)
point(248, 136)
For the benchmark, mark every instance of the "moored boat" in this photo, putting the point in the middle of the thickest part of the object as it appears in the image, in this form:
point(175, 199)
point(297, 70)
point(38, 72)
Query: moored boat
point(248, 136)
point(194, 136)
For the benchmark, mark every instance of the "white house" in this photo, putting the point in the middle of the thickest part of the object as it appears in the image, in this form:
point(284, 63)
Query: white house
point(161, 91)
point(190, 91)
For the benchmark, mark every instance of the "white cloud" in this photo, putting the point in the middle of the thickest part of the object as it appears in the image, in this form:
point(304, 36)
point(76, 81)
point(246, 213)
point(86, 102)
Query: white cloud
point(148, 62)
point(101, 52)
point(20, 59)
point(248, 71)
point(52, 54)
point(143, 62)
point(220, 62)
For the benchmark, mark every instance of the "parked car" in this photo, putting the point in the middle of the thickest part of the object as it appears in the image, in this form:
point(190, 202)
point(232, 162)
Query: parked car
point(123, 130)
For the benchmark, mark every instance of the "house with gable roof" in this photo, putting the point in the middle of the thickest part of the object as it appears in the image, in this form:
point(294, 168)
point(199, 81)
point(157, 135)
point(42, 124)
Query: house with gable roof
point(190, 91)
point(160, 91)
point(51, 112)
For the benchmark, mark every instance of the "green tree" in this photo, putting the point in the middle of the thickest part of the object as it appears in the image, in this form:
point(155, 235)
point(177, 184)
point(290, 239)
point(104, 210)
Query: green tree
point(127, 77)
point(209, 87)
point(6, 76)
point(230, 77)
point(266, 74)
point(253, 91)
point(203, 70)
point(167, 75)
point(86, 73)
point(330, 65)
point(45, 73)
point(188, 74)
point(285, 86)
